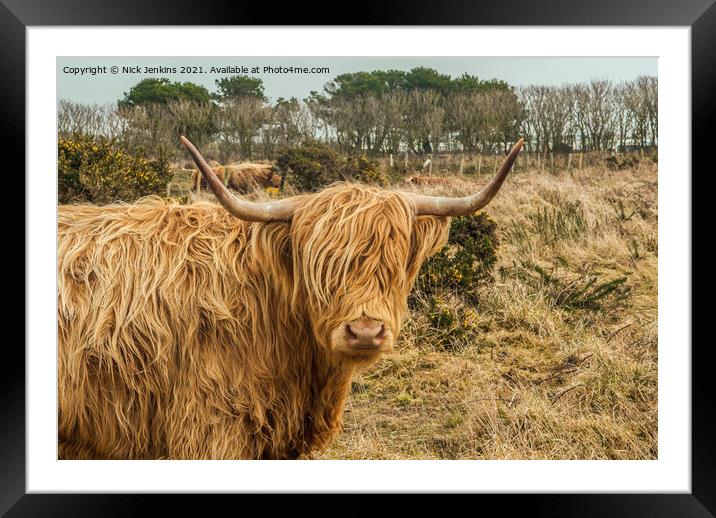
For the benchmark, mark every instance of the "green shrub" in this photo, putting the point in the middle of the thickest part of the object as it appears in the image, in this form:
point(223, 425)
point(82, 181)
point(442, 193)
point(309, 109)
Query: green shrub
point(466, 261)
point(566, 221)
point(572, 292)
point(620, 210)
point(453, 324)
point(97, 170)
point(311, 166)
point(363, 169)
point(314, 165)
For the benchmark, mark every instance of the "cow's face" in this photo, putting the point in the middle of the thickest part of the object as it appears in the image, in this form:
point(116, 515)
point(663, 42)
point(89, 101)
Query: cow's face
point(356, 253)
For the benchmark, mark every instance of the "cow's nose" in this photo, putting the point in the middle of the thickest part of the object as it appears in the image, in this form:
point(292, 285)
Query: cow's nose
point(365, 333)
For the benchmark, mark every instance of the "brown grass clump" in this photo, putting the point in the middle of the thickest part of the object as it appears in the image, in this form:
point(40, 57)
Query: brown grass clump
point(559, 360)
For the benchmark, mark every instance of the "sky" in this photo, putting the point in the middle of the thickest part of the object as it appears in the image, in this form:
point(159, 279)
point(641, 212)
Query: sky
point(92, 79)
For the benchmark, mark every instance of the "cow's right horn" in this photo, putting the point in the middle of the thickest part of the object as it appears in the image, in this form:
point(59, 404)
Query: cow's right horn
point(446, 206)
point(279, 210)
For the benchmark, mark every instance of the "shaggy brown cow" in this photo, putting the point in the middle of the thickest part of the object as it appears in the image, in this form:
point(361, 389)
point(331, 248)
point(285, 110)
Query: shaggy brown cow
point(241, 177)
point(428, 180)
point(198, 181)
point(202, 332)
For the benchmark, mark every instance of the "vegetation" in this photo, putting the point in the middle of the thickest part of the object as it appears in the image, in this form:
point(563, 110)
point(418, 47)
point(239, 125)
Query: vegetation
point(240, 86)
point(163, 91)
point(312, 166)
point(98, 171)
point(379, 113)
point(466, 261)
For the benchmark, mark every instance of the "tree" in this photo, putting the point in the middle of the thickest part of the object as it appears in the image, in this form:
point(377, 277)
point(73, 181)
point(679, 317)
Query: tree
point(393, 108)
point(504, 113)
point(595, 113)
point(283, 125)
point(359, 84)
point(88, 119)
point(240, 86)
point(241, 118)
point(535, 124)
point(468, 83)
point(163, 91)
point(425, 118)
point(465, 112)
point(423, 78)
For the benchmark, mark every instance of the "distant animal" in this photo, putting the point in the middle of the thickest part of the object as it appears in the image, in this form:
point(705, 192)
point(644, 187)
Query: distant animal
point(232, 331)
point(242, 178)
point(428, 180)
point(198, 181)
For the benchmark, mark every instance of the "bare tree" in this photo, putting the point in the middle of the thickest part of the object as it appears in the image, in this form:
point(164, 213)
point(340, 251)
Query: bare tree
point(240, 120)
point(425, 118)
point(394, 107)
point(535, 99)
point(595, 113)
point(466, 113)
point(88, 119)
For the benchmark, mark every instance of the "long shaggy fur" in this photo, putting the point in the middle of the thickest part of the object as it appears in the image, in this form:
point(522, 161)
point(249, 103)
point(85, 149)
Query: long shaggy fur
point(186, 333)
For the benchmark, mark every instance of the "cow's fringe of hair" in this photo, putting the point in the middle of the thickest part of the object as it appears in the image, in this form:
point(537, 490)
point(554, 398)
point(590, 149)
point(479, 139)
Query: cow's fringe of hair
point(184, 332)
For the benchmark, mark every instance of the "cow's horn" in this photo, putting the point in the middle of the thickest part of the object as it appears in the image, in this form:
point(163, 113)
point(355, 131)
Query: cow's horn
point(279, 210)
point(443, 206)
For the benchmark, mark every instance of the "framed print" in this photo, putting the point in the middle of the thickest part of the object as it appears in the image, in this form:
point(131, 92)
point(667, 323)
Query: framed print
point(256, 253)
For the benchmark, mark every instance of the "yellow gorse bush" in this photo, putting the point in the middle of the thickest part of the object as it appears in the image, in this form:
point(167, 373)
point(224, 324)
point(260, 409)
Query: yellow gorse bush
point(100, 171)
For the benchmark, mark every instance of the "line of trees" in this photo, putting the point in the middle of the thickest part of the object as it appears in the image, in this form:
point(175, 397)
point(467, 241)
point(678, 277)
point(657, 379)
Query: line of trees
point(379, 112)
point(598, 115)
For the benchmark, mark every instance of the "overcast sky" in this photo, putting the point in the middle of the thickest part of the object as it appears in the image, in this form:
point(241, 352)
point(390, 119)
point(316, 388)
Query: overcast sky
point(106, 86)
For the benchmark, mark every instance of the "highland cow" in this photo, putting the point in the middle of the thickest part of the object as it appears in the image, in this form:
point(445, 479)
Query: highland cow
point(232, 331)
point(242, 178)
point(428, 180)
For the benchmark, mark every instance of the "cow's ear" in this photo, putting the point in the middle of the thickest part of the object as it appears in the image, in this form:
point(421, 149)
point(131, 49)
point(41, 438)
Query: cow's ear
point(430, 233)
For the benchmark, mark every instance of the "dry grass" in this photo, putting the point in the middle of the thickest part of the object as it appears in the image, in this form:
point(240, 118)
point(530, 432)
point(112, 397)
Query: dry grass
point(545, 378)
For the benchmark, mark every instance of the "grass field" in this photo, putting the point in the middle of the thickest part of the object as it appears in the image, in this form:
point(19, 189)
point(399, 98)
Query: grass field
point(560, 370)
point(564, 363)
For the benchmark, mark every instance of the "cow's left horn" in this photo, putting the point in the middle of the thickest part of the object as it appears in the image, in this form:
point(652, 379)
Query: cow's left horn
point(443, 206)
point(279, 210)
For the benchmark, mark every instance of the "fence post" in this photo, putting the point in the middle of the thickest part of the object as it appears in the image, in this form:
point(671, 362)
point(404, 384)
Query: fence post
point(479, 165)
point(551, 161)
point(569, 160)
point(169, 189)
point(462, 163)
point(391, 160)
point(406, 158)
point(539, 162)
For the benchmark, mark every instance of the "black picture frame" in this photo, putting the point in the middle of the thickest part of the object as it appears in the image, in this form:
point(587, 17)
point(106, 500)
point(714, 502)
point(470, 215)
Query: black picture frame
point(700, 15)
